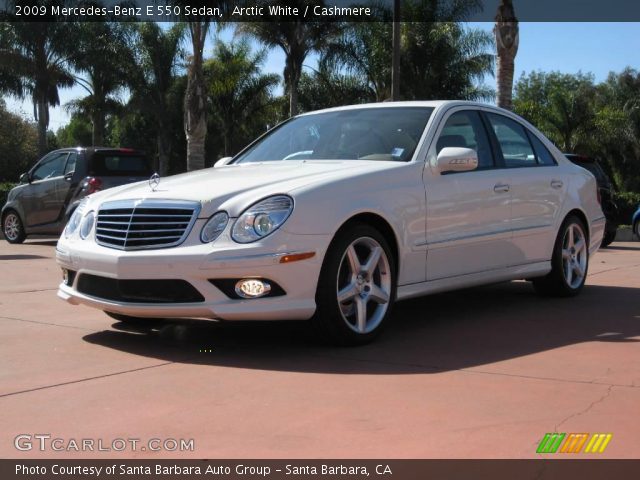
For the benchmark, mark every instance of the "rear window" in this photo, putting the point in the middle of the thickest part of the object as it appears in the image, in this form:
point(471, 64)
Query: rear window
point(115, 165)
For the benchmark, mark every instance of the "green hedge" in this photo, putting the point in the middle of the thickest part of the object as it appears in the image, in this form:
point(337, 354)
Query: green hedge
point(4, 191)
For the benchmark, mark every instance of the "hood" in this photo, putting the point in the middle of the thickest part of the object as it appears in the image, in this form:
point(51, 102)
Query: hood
point(234, 187)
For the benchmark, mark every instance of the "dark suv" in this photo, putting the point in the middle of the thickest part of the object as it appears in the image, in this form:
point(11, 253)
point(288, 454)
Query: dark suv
point(605, 193)
point(49, 193)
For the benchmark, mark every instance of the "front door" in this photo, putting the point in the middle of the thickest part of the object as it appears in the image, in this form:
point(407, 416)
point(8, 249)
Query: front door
point(42, 197)
point(468, 213)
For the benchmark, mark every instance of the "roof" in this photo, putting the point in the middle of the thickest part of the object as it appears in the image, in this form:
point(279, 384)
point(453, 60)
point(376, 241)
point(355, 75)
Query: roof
point(414, 103)
point(99, 149)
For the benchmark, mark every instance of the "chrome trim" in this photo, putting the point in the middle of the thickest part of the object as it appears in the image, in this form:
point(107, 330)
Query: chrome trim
point(147, 204)
point(492, 233)
point(274, 256)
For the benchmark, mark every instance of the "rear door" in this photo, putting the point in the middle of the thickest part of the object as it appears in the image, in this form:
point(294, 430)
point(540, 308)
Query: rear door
point(42, 200)
point(537, 188)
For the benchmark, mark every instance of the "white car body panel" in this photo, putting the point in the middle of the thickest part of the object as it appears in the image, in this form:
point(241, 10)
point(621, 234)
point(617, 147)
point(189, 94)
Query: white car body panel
point(451, 231)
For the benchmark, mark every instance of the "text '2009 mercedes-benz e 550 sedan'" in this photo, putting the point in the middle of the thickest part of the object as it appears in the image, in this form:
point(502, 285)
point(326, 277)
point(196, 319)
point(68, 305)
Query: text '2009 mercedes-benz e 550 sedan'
point(334, 215)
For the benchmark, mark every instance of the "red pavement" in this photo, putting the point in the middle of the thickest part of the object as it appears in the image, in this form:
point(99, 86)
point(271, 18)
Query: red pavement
point(482, 373)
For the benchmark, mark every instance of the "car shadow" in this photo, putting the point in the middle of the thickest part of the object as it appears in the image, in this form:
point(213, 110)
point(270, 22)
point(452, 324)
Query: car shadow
point(615, 247)
point(46, 243)
point(433, 334)
point(21, 257)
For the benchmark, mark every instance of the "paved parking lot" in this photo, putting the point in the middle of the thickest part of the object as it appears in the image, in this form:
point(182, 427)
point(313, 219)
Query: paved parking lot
point(481, 373)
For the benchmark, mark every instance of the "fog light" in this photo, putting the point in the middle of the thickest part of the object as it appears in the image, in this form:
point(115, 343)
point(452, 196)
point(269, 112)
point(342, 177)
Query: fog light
point(252, 288)
point(65, 276)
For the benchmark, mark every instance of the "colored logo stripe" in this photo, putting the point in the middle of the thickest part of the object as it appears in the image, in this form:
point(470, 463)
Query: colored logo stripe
point(598, 443)
point(573, 442)
point(550, 443)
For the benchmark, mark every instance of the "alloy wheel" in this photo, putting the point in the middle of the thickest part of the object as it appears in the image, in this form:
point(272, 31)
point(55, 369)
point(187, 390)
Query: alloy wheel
point(574, 255)
point(363, 285)
point(12, 226)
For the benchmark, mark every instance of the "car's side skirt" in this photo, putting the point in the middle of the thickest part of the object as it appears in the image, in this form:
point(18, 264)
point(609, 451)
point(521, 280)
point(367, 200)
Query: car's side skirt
point(537, 269)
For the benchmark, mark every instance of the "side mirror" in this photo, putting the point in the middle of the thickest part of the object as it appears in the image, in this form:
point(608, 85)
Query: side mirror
point(222, 162)
point(24, 178)
point(456, 159)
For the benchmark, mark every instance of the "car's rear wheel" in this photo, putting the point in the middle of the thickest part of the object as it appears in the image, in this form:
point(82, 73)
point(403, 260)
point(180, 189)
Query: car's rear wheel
point(356, 289)
point(570, 261)
point(12, 227)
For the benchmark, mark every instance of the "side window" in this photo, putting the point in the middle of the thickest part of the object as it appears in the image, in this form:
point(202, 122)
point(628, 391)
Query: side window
point(50, 167)
point(71, 163)
point(512, 137)
point(542, 153)
point(465, 129)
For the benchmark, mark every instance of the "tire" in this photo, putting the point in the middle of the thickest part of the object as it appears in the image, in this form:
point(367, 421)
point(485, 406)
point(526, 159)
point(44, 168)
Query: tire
point(608, 238)
point(12, 227)
point(636, 228)
point(569, 263)
point(131, 320)
point(367, 287)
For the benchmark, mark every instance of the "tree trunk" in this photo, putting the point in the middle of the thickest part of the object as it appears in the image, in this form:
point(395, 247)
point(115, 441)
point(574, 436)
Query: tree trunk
point(195, 115)
point(295, 71)
point(97, 132)
point(164, 152)
point(42, 111)
point(195, 123)
point(293, 99)
point(506, 32)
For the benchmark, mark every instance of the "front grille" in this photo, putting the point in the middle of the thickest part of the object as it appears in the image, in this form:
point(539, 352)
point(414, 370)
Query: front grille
point(139, 291)
point(144, 224)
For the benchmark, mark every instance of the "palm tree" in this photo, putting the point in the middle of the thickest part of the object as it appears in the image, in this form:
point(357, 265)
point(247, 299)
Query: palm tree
point(325, 88)
point(439, 58)
point(443, 59)
point(157, 52)
point(239, 93)
point(506, 32)
point(34, 57)
point(297, 39)
point(103, 55)
point(363, 50)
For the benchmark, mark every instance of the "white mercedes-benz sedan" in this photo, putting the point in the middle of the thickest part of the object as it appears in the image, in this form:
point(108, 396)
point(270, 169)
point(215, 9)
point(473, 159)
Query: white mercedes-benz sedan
point(334, 215)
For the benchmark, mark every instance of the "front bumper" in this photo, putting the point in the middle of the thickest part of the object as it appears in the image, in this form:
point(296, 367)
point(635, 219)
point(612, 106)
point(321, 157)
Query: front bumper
point(198, 263)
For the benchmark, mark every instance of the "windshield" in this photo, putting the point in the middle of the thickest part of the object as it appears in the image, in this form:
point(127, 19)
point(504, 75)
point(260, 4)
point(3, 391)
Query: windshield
point(386, 134)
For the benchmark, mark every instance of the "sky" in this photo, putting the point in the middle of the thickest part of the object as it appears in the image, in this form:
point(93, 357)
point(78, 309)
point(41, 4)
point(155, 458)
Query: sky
point(598, 48)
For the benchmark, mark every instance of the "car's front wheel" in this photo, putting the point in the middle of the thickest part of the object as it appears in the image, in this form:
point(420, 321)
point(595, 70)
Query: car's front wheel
point(12, 227)
point(357, 287)
point(570, 261)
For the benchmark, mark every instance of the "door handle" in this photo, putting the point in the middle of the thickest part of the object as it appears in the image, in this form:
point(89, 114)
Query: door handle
point(556, 183)
point(68, 176)
point(501, 188)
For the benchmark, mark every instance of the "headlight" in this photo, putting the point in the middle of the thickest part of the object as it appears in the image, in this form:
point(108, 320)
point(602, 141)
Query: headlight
point(262, 219)
point(87, 225)
point(214, 227)
point(74, 221)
